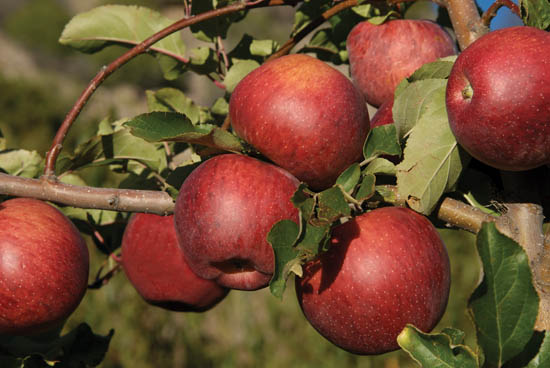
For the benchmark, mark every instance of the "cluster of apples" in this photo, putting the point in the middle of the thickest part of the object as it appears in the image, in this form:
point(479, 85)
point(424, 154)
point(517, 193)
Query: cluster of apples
point(386, 268)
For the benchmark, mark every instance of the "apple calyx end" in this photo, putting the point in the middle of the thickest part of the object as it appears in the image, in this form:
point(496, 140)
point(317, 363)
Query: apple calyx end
point(468, 92)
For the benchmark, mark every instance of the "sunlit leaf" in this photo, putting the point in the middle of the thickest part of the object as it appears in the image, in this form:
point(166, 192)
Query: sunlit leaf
point(505, 305)
point(436, 350)
point(171, 126)
point(535, 13)
point(382, 140)
point(349, 178)
point(107, 25)
point(28, 164)
point(432, 159)
point(237, 72)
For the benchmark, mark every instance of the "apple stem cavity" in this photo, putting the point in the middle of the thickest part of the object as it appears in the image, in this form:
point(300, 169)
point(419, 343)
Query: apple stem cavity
point(468, 92)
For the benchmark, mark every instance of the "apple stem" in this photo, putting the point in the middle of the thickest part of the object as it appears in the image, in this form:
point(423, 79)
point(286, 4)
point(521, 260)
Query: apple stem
point(491, 12)
point(468, 92)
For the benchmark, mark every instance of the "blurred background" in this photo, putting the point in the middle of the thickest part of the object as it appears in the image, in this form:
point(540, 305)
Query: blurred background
point(39, 82)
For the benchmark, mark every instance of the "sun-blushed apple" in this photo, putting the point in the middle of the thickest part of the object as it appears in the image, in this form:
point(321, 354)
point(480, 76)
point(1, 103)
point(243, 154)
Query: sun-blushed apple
point(155, 265)
point(43, 267)
point(384, 269)
point(498, 98)
point(383, 115)
point(380, 56)
point(223, 213)
point(302, 114)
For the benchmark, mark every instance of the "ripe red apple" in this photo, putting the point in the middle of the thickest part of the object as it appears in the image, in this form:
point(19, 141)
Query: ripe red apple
point(380, 56)
point(303, 115)
point(498, 98)
point(43, 267)
point(383, 115)
point(223, 213)
point(155, 265)
point(385, 268)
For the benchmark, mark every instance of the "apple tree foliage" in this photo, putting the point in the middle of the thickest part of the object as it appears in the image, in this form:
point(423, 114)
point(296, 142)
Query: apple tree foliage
point(158, 149)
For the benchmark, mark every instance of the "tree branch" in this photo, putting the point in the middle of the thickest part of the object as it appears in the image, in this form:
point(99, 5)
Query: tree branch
point(125, 200)
point(466, 21)
point(57, 143)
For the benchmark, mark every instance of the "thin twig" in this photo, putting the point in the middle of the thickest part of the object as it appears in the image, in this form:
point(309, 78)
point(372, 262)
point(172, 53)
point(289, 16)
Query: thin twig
point(491, 12)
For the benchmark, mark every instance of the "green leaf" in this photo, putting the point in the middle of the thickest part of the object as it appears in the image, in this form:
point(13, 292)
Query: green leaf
point(439, 69)
point(120, 146)
point(542, 359)
point(436, 350)
point(282, 237)
point(210, 29)
point(237, 72)
point(304, 200)
point(21, 162)
point(362, 10)
point(204, 60)
point(349, 178)
point(166, 126)
point(263, 47)
point(381, 166)
point(173, 100)
point(313, 240)
point(367, 188)
point(220, 107)
point(307, 12)
point(415, 101)
point(505, 305)
point(127, 26)
point(382, 140)
point(332, 205)
point(432, 159)
point(535, 13)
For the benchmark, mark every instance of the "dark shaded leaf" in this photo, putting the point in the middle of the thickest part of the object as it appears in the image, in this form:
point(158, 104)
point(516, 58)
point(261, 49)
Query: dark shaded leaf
point(282, 237)
point(505, 305)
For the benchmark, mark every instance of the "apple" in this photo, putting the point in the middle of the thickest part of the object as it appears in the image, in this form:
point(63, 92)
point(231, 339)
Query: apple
point(223, 213)
point(383, 115)
point(156, 267)
point(303, 115)
point(498, 98)
point(44, 267)
point(384, 269)
point(380, 56)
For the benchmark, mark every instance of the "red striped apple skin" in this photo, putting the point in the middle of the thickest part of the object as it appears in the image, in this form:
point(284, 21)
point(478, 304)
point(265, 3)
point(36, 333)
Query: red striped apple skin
point(44, 266)
point(302, 114)
point(498, 98)
point(156, 266)
point(223, 213)
point(380, 56)
point(385, 268)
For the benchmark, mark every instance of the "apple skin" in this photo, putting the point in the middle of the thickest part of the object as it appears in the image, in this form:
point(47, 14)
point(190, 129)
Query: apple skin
point(44, 267)
point(303, 115)
point(380, 56)
point(223, 213)
point(385, 268)
point(383, 115)
point(155, 265)
point(498, 98)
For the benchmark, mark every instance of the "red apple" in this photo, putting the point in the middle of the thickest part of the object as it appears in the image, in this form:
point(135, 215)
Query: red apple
point(43, 267)
point(383, 115)
point(498, 98)
point(385, 268)
point(155, 265)
point(223, 213)
point(303, 115)
point(380, 56)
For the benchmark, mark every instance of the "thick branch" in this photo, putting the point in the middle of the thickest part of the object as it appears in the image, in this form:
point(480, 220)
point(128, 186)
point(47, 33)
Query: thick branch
point(88, 197)
point(466, 21)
